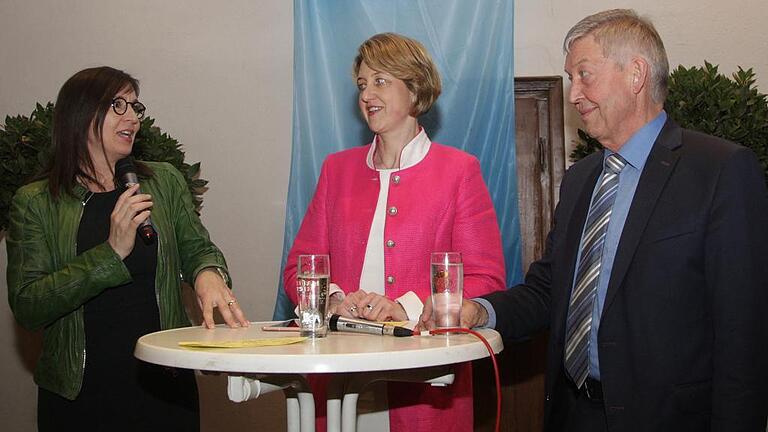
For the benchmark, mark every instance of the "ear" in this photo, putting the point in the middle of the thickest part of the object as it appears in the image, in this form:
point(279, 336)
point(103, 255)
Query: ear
point(640, 73)
point(414, 99)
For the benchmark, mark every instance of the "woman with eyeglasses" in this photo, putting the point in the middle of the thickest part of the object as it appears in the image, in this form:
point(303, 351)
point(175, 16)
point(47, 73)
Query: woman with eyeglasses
point(78, 271)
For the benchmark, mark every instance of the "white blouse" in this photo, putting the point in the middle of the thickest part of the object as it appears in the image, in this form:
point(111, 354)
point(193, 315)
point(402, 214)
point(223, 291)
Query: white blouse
point(372, 276)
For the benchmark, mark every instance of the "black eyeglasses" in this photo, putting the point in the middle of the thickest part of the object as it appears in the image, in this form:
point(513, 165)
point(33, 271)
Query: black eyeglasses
point(120, 106)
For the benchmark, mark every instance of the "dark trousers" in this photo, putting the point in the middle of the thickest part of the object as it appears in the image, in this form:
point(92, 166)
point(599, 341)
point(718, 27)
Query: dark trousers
point(574, 411)
point(158, 399)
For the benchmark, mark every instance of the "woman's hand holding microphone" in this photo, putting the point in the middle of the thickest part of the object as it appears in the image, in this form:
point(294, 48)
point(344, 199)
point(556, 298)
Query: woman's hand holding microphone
point(130, 210)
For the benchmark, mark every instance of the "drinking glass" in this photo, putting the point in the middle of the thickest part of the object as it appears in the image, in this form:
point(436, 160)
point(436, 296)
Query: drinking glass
point(447, 281)
point(312, 286)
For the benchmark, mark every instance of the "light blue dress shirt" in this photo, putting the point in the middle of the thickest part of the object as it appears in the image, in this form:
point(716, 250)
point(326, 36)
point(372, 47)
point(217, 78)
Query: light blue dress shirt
point(635, 151)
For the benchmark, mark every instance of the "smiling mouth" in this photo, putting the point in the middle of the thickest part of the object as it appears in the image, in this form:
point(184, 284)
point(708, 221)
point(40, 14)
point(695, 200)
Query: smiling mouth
point(126, 134)
point(586, 112)
point(373, 110)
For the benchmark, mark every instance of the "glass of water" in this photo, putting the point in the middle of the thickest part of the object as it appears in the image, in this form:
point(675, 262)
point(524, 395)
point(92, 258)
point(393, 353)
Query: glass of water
point(312, 286)
point(447, 281)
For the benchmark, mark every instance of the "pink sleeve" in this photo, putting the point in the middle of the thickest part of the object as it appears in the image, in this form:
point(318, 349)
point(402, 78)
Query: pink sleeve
point(476, 234)
point(312, 236)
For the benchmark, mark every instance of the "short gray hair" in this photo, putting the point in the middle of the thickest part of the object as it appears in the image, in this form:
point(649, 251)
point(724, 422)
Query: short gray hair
point(619, 31)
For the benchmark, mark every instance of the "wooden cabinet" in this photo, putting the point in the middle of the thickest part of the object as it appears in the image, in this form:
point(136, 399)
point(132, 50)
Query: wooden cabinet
point(540, 157)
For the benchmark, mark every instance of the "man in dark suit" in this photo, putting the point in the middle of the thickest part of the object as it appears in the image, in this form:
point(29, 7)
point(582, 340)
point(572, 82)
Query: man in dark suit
point(653, 284)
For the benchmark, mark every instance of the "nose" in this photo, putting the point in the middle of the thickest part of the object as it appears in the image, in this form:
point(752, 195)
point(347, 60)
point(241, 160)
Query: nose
point(574, 93)
point(366, 94)
point(131, 114)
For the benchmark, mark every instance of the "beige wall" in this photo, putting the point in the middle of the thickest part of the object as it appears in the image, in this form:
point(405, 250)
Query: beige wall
point(217, 76)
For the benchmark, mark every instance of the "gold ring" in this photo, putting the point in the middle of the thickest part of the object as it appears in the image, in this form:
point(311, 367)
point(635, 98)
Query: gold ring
point(369, 307)
point(231, 302)
point(353, 309)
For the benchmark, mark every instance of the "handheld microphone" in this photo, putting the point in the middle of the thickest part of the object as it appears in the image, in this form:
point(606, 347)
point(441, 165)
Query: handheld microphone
point(339, 323)
point(125, 171)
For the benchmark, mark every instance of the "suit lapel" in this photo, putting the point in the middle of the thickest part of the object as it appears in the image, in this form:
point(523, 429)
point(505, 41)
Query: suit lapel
point(660, 164)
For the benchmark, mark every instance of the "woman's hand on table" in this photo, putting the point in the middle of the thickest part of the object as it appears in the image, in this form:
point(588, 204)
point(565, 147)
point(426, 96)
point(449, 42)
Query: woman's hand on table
point(346, 305)
point(369, 306)
point(376, 307)
point(212, 292)
point(335, 304)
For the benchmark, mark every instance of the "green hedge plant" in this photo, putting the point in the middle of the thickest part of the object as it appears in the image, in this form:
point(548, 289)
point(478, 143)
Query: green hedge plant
point(702, 99)
point(25, 146)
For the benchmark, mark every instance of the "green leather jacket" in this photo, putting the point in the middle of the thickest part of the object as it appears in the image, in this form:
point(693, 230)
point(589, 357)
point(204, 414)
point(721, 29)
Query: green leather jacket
point(48, 284)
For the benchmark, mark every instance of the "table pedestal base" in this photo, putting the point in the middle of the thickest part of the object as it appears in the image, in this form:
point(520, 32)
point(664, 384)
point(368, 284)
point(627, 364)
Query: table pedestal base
point(344, 391)
point(299, 402)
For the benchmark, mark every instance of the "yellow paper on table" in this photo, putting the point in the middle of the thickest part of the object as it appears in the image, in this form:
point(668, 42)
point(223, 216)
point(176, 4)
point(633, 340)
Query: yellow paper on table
point(393, 323)
point(246, 343)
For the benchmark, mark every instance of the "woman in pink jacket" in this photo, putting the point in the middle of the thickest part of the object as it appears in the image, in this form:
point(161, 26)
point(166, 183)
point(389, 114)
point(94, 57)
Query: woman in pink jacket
point(381, 209)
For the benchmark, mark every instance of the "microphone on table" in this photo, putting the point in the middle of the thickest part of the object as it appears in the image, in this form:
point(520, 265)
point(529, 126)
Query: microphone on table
point(125, 171)
point(340, 323)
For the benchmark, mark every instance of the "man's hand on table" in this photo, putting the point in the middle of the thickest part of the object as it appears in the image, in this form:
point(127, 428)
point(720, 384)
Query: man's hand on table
point(472, 315)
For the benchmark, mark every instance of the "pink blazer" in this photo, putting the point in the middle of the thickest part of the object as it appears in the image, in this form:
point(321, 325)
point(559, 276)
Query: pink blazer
point(439, 204)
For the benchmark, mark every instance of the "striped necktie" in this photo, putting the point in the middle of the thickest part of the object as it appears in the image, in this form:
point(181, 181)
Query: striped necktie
point(585, 287)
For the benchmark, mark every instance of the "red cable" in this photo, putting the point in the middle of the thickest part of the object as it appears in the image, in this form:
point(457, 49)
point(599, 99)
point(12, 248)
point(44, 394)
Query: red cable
point(493, 359)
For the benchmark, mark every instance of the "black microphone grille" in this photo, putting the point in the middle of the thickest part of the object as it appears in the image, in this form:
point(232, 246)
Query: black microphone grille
point(333, 323)
point(123, 166)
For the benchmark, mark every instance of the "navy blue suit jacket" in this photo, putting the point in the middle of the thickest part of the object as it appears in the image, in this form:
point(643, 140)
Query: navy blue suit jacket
point(684, 328)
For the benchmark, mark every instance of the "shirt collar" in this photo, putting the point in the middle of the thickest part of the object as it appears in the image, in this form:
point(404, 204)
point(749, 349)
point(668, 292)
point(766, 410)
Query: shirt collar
point(412, 153)
point(636, 150)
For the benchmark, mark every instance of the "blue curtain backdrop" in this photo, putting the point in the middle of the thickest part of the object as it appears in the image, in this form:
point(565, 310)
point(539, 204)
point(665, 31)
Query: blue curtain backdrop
point(471, 43)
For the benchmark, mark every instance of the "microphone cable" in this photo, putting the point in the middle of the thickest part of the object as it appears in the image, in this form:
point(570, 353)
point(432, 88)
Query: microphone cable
point(493, 359)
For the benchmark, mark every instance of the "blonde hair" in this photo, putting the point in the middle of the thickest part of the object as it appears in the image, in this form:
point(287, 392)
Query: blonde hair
point(405, 59)
point(620, 32)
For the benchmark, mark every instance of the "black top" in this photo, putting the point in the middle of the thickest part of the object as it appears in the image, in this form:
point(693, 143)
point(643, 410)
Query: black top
point(141, 263)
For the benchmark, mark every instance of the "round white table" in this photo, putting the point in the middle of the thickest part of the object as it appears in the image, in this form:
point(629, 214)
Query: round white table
point(360, 359)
